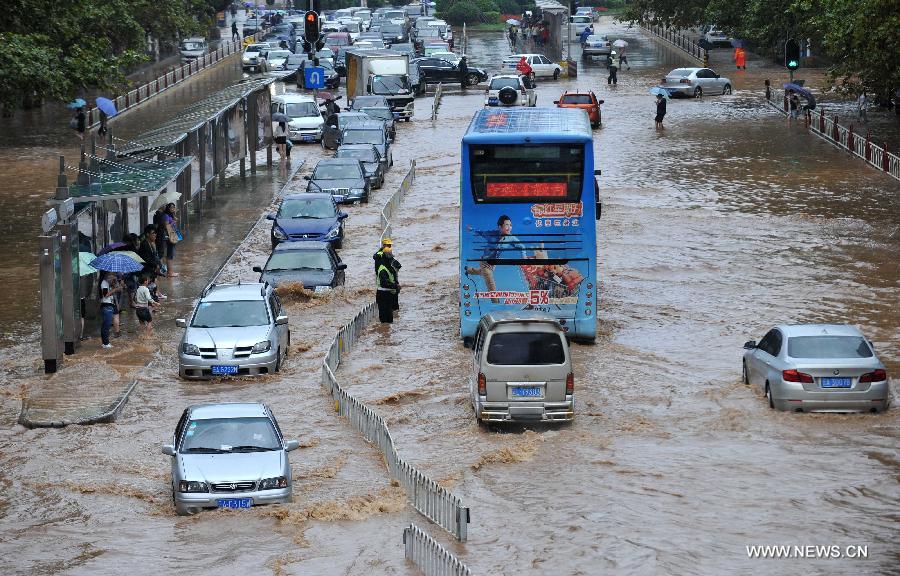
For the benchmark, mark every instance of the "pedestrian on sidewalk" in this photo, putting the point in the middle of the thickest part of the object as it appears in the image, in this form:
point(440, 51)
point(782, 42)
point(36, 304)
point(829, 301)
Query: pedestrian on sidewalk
point(862, 103)
point(143, 307)
point(235, 37)
point(172, 237)
point(660, 111)
point(281, 134)
point(387, 286)
point(613, 69)
point(109, 309)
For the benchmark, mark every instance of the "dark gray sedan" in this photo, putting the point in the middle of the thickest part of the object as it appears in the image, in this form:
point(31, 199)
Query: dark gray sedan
point(370, 158)
point(817, 368)
point(343, 178)
point(315, 265)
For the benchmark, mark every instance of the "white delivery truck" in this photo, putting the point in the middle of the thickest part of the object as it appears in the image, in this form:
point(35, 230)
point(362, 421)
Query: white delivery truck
point(381, 73)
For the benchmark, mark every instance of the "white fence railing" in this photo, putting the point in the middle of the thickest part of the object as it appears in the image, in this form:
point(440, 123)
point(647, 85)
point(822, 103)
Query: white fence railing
point(425, 495)
point(432, 558)
point(679, 40)
point(171, 78)
point(844, 137)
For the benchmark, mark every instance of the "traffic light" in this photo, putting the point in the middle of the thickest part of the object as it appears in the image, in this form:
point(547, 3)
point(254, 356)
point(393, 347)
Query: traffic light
point(311, 26)
point(792, 54)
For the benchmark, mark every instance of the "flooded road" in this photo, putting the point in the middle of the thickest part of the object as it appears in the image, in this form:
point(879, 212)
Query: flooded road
point(727, 222)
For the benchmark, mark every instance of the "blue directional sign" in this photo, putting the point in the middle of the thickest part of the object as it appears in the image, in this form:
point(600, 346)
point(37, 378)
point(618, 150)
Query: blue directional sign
point(314, 77)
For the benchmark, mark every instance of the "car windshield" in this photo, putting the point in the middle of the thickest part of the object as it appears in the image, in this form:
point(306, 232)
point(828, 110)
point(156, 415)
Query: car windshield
point(337, 171)
point(234, 314)
point(223, 435)
point(363, 137)
point(296, 59)
point(378, 113)
point(310, 208)
point(191, 46)
point(360, 153)
point(278, 54)
point(525, 348)
point(298, 259)
point(576, 99)
point(347, 118)
point(821, 347)
point(392, 29)
point(325, 53)
point(255, 48)
point(683, 72)
point(301, 109)
point(498, 83)
point(389, 84)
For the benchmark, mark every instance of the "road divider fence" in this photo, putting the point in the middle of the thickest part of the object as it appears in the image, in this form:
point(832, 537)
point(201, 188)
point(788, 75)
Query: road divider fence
point(390, 207)
point(439, 91)
point(429, 556)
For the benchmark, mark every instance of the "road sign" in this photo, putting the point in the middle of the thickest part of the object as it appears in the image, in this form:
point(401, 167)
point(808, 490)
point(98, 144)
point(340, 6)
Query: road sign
point(314, 77)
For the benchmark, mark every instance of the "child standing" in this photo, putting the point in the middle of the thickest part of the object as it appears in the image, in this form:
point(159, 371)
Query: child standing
point(143, 304)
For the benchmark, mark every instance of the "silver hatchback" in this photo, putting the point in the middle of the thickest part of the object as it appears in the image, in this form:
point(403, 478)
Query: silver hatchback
point(235, 329)
point(229, 456)
point(817, 368)
point(521, 369)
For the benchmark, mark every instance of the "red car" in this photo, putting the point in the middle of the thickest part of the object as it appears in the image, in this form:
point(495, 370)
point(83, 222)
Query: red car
point(587, 101)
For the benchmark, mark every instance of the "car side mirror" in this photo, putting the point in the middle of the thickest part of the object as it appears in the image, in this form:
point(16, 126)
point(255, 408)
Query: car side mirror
point(341, 266)
point(257, 269)
point(306, 177)
point(750, 345)
point(181, 323)
point(717, 75)
point(291, 445)
point(168, 449)
point(270, 216)
point(556, 101)
point(871, 345)
point(281, 320)
point(343, 215)
point(600, 101)
point(598, 172)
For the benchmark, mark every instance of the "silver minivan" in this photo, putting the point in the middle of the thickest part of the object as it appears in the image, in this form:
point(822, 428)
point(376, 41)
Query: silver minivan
point(521, 370)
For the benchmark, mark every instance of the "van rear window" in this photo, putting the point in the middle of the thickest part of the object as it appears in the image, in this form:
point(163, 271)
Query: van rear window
point(525, 348)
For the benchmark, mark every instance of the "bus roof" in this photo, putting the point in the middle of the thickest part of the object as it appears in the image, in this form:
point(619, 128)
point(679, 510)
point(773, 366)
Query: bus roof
point(544, 121)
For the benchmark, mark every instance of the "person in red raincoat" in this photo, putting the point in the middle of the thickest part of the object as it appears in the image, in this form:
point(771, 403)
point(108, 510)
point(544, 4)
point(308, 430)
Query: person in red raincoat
point(526, 70)
point(740, 58)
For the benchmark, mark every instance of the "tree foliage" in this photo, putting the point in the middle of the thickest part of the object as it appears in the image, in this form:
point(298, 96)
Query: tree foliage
point(53, 50)
point(858, 37)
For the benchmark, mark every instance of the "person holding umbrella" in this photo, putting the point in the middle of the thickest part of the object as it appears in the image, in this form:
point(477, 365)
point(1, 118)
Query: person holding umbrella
point(620, 45)
point(79, 119)
point(281, 134)
point(109, 306)
point(661, 96)
point(107, 110)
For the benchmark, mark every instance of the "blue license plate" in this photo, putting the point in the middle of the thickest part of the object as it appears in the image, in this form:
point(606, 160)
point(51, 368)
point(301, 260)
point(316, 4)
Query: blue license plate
point(493, 101)
point(526, 392)
point(224, 369)
point(234, 503)
point(835, 383)
point(307, 138)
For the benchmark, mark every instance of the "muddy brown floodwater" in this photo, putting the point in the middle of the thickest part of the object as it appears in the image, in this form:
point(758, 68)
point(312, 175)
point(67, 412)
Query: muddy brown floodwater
point(724, 224)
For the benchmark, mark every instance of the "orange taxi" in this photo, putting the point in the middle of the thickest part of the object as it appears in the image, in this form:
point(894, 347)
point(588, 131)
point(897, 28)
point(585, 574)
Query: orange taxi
point(587, 101)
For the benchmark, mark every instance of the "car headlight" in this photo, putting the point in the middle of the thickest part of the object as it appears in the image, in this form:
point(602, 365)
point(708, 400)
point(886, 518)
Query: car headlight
point(333, 233)
point(273, 483)
point(261, 347)
point(278, 234)
point(357, 191)
point(192, 486)
point(190, 349)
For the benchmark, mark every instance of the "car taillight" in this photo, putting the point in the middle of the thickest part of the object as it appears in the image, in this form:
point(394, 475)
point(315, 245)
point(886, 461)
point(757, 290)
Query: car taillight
point(876, 376)
point(482, 385)
point(570, 383)
point(794, 376)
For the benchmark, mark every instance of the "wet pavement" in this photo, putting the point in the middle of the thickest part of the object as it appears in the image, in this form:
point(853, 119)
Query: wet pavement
point(723, 224)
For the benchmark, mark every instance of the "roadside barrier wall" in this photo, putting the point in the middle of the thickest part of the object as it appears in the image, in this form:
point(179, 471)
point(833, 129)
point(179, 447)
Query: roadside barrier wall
point(425, 495)
point(432, 558)
point(844, 137)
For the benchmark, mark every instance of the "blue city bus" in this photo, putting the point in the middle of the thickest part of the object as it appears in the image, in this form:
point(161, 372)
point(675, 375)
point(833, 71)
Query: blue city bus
point(527, 237)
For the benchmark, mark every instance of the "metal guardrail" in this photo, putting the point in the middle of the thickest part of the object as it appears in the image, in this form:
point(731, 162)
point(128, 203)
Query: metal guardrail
point(432, 558)
point(439, 91)
point(830, 130)
point(425, 495)
point(678, 40)
point(171, 78)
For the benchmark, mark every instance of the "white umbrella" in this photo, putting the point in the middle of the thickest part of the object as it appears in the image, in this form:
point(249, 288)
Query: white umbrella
point(513, 22)
point(165, 198)
point(620, 43)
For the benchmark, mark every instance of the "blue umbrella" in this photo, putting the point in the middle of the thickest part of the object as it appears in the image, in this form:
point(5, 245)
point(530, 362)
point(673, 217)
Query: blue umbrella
point(811, 100)
point(116, 262)
point(661, 91)
point(107, 106)
point(76, 103)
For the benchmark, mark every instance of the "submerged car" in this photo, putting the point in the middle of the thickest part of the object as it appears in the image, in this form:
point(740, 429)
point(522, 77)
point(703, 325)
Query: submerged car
point(235, 329)
point(695, 82)
point(229, 456)
point(373, 133)
point(509, 90)
point(586, 101)
point(817, 368)
point(343, 178)
point(370, 158)
point(308, 216)
point(305, 122)
point(315, 265)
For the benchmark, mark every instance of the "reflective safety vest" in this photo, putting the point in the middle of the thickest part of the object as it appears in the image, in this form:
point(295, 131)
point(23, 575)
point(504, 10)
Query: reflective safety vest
point(390, 277)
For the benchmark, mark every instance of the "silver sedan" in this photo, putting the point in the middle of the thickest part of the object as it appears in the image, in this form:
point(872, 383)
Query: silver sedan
point(695, 82)
point(817, 368)
point(229, 456)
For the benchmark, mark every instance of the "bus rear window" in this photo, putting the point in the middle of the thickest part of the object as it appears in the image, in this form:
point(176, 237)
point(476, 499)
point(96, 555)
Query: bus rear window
point(527, 173)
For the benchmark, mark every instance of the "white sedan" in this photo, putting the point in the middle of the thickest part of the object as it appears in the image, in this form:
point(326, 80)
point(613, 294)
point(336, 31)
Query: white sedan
point(695, 82)
point(540, 64)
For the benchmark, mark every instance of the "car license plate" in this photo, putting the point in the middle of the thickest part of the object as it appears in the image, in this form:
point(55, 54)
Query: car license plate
point(493, 100)
point(234, 503)
point(526, 392)
point(320, 289)
point(224, 369)
point(307, 138)
point(835, 383)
